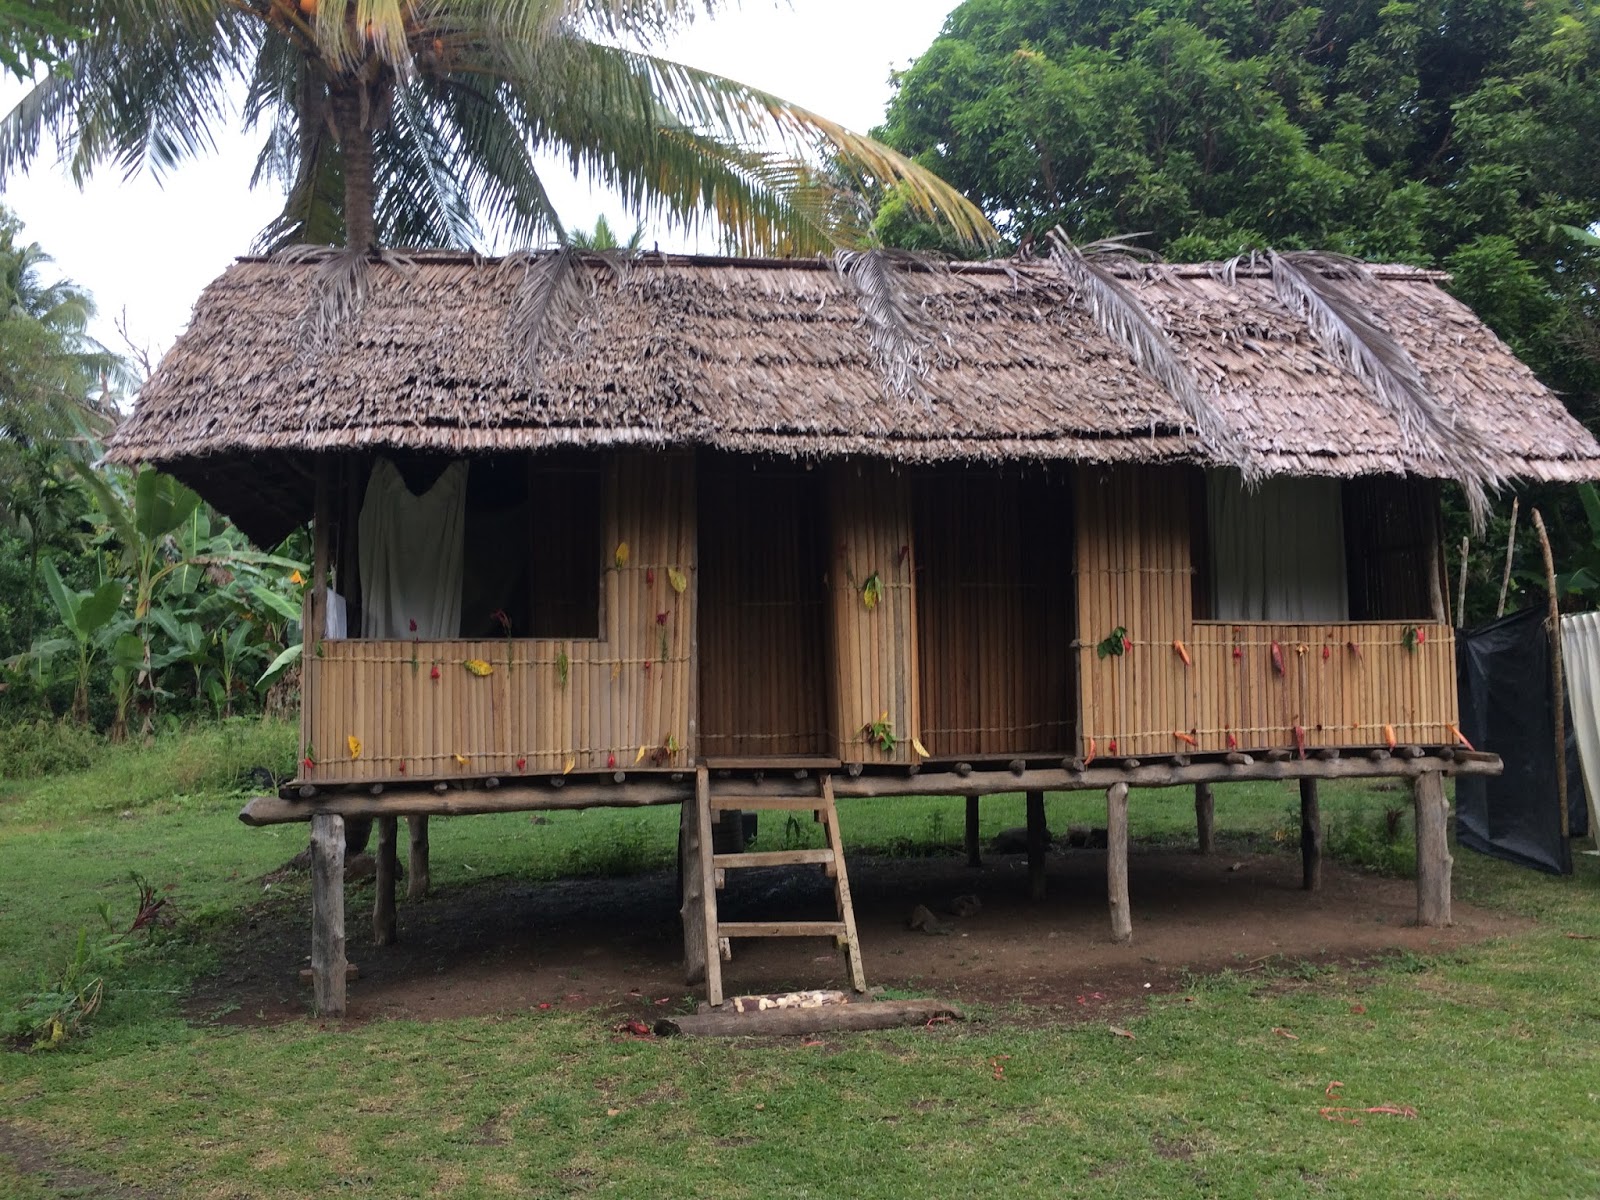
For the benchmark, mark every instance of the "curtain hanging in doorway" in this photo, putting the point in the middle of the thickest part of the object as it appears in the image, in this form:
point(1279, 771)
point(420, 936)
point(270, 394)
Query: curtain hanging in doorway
point(411, 555)
point(1277, 551)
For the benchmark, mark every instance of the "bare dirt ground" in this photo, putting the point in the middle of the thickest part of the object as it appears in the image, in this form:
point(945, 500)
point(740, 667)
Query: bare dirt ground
point(504, 946)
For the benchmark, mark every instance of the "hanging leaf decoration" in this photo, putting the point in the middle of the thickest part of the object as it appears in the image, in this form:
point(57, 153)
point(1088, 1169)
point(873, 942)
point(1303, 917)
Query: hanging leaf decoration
point(872, 591)
point(881, 733)
point(563, 666)
point(1412, 638)
point(663, 655)
point(639, 757)
point(1300, 741)
point(1188, 739)
point(649, 577)
point(671, 744)
point(678, 580)
point(1354, 650)
point(1182, 652)
point(355, 746)
point(1115, 643)
point(1389, 739)
point(522, 764)
point(433, 672)
point(1089, 757)
point(1277, 659)
point(567, 768)
point(621, 557)
point(461, 760)
point(1459, 736)
point(916, 744)
point(1233, 742)
point(476, 666)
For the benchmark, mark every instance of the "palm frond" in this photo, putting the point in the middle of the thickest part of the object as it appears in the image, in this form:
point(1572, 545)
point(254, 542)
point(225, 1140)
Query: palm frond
point(897, 335)
point(551, 296)
point(1321, 289)
point(339, 290)
point(1119, 315)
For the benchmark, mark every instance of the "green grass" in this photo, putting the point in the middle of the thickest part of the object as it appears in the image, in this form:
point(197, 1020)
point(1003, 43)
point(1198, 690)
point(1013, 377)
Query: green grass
point(1497, 1046)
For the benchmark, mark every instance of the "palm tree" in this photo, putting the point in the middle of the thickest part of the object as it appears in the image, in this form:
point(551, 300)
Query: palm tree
point(418, 122)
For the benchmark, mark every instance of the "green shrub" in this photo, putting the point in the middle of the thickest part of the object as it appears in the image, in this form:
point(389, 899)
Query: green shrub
point(30, 749)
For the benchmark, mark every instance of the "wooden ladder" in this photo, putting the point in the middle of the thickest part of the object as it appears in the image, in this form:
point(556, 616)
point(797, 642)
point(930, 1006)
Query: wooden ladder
point(707, 937)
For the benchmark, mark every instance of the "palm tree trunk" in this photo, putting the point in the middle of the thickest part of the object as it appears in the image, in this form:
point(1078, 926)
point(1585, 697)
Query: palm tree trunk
point(352, 112)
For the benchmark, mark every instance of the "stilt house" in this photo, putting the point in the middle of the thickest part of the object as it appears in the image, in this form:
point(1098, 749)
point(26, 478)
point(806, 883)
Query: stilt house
point(724, 536)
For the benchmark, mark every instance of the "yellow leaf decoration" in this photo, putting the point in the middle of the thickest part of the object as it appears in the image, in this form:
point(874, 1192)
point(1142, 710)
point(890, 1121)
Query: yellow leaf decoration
point(296, 577)
point(567, 770)
point(622, 555)
point(639, 757)
point(476, 666)
point(677, 579)
point(355, 746)
point(916, 744)
point(872, 591)
point(461, 759)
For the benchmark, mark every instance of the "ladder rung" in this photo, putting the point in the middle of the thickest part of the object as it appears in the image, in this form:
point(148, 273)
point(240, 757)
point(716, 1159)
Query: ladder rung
point(780, 929)
point(760, 803)
point(773, 858)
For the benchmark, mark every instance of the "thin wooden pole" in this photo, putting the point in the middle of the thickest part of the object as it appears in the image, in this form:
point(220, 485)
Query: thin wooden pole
point(1117, 862)
point(692, 907)
point(1310, 837)
point(1433, 850)
point(383, 919)
point(1505, 576)
point(708, 901)
point(1558, 682)
point(1037, 844)
point(974, 858)
point(417, 862)
point(1461, 589)
point(1204, 817)
point(327, 914)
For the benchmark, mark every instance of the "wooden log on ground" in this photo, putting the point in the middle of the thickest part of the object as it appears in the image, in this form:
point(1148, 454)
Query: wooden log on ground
point(1204, 814)
point(1038, 844)
point(1310, 837)
point(974, 854)
point(383, 916)
point(825, 1018)
point(1117, 862)
point(327, 914)
point(691, 910)
point(1433, 850)
point(417, 881)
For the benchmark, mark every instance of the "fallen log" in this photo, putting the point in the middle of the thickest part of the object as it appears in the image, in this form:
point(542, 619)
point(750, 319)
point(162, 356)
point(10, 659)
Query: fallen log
point(777, 1022)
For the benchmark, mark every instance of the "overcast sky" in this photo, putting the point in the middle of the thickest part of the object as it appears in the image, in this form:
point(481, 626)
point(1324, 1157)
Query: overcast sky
point(148, 248)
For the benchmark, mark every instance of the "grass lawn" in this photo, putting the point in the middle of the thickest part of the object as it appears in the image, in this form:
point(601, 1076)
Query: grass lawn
point(1496, 1048)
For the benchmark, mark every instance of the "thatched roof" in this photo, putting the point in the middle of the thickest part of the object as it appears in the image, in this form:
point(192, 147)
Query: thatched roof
point(774, 357)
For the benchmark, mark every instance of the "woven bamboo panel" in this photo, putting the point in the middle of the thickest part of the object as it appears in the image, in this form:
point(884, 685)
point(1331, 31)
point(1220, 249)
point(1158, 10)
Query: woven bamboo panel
point(874, 649)
point(545, 705)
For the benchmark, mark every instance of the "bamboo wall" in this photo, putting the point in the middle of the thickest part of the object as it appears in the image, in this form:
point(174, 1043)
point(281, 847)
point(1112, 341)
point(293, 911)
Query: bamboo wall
point(1134, 570)
point(873, 650)
point(994, 612)
point(548, 705)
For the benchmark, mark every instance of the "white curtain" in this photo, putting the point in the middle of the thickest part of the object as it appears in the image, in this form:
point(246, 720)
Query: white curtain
point(1277, 551)
point(410, 550)
point(1580, 652)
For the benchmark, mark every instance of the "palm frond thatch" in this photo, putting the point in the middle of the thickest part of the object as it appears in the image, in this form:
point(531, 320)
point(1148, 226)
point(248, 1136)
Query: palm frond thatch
point(896, 334)
point(339, 290)
point(1122, 318)
point(550, 298)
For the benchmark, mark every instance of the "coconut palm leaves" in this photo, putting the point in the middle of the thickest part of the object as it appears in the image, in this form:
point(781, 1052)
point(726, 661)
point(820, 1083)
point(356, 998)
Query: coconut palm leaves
point(1324, 290)
point(418, 122)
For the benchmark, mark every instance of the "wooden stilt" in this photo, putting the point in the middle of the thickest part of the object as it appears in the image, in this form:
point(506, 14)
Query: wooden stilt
point(1117, 862)
point(383, 921)
point(974, 858)
point(1204, 813)
point(708, 897)
point(692, 910)
point(1310, 837)
point(417, 861)
point(1038, 843)
point(327, 914)
point(1433, 850)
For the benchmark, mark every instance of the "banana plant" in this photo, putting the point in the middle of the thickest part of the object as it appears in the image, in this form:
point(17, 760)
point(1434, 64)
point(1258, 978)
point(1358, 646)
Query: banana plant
point(235, 649)
point(82, 615)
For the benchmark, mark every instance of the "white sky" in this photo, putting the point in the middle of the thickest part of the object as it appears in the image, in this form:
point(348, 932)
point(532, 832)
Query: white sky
point(148, 249)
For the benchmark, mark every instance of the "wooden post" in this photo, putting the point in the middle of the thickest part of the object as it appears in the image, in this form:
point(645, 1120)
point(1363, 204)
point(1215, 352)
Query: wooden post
point(1433, 849)
point(1117, 862)
point(1204, 813)
point(327, 914)
point(1037, 844)
point(974, 858)
point(692, 906)
point(1461, 588)
point(1505, 576)
point(417, 862)
point(1310, 837)
point(1558, 681)
point(383, 922)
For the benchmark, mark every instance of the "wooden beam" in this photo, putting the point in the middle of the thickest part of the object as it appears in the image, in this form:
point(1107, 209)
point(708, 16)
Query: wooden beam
point(708, 896)
point(974, 854)
point(327, 914)
point(1310, 837)
point(383, 918)
point(417, 880)
point(1558, 686)
point(1433, 850)
point(691, 910)
point(1204, 814)
point(274, 810)
point(1117, 862)
point(774, 1022)
point(1038, 844)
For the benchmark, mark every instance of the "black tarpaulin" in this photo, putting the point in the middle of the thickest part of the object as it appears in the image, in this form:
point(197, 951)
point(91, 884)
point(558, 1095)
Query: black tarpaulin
point(1503, 680)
